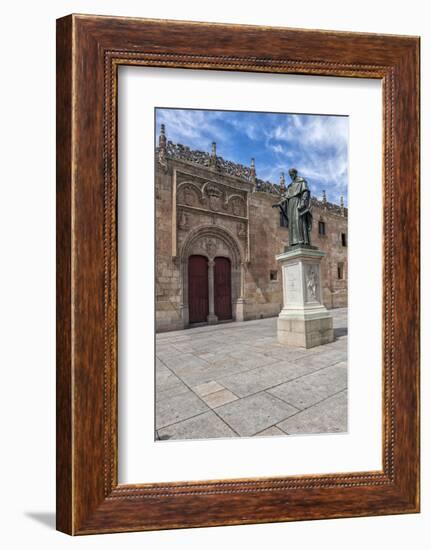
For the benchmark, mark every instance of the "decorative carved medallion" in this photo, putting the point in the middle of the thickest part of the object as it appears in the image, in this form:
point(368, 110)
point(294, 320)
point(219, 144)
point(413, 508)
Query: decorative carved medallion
point(210, 246)
point(215, 198)
point(189, 195)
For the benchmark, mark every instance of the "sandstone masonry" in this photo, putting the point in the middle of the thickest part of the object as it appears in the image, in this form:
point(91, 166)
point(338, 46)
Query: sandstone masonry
point(211, 207)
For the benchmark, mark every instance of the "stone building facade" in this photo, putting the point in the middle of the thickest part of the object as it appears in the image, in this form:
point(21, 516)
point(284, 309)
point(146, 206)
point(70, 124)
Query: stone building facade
point(217, 236)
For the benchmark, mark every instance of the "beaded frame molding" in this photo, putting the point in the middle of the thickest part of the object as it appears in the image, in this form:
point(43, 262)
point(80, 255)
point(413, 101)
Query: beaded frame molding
point(89, 51)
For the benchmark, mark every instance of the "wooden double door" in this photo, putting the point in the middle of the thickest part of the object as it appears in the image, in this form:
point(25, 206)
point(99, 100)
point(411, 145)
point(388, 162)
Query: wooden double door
point(200, 289)
point(222, 289)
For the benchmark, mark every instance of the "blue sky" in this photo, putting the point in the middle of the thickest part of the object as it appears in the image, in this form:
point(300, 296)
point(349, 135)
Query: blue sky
point(317, 145)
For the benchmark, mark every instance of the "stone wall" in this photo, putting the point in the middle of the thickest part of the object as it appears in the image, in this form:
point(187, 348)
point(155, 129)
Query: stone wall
point(168, 296)
point(268, 238)
point(206, 205)
point(334, 289)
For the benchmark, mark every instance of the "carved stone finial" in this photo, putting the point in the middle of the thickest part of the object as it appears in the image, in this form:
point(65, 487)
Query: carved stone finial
point(282, 182)
point(252, 171)
point(162, 148)
point(162, 137)
point(213, 158)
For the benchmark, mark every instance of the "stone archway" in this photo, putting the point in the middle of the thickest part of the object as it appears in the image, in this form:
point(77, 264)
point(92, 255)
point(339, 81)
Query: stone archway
point(212, 242)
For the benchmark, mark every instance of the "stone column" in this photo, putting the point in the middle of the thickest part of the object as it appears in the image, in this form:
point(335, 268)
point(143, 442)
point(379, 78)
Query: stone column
point(239, 309)
point(212, 317)
point(304, 321)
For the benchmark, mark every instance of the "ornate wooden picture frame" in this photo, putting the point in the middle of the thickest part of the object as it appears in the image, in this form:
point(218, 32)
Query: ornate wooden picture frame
point(89, 51)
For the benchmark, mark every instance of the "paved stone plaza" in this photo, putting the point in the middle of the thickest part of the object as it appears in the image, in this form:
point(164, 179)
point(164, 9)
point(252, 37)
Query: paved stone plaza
point(235, 379)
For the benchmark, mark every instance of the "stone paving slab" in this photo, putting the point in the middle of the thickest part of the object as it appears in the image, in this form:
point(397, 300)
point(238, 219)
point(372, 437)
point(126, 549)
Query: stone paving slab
point(178, 407)
point(328, 416)
point(280, 354)
point(198, 372)
point(245, 354)
point(182, 361)
point(167, 355)
point(258, 379)
point(320, 360)
point(312, 388)
point(204, 426)
point(253, 414)
point(165, 378)
point(219, 398)
point(254, 385)
point(207, 388)
point(270, 432)
point(178, 389)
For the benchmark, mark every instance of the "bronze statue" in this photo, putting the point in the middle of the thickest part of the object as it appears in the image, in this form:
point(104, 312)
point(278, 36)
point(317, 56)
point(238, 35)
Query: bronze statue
point(295, 207)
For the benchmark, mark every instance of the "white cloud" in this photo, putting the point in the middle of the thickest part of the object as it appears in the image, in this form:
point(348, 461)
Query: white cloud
point(319, 132)
point(195, 128)
point(316, 145)
point(250, 129)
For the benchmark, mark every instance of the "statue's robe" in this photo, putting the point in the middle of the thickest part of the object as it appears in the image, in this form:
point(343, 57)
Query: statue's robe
point(297, 206)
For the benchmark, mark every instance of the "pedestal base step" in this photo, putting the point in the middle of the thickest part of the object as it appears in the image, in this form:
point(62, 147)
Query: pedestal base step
point(305, 333)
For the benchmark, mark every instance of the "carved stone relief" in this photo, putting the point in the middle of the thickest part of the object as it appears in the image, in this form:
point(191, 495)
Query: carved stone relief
point(183, 221)
point(237, 206)
point(189, 195)
point(312, 283)
point(215, 197)
point(241, 230)
point(210, 246)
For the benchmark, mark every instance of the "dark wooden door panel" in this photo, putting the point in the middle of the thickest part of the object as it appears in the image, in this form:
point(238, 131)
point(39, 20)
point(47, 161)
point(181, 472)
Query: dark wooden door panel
point(222, 289)
point(198, 289)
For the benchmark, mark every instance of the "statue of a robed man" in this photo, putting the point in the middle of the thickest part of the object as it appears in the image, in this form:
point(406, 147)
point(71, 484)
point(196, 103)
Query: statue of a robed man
point(295, 207)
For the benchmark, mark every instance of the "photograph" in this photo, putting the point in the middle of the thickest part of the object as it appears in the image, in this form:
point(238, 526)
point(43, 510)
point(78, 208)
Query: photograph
point(213, 322)
point(251, 273)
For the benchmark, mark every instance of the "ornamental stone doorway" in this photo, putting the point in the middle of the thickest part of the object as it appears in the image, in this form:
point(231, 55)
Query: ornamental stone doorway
point(212, 272)
point(199, 275)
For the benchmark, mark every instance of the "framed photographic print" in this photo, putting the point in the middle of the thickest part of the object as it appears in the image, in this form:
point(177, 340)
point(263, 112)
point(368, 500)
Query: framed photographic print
point(237, 274)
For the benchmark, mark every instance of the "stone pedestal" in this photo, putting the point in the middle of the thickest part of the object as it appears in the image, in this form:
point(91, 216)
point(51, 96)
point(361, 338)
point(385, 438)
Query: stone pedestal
point(304, 321)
